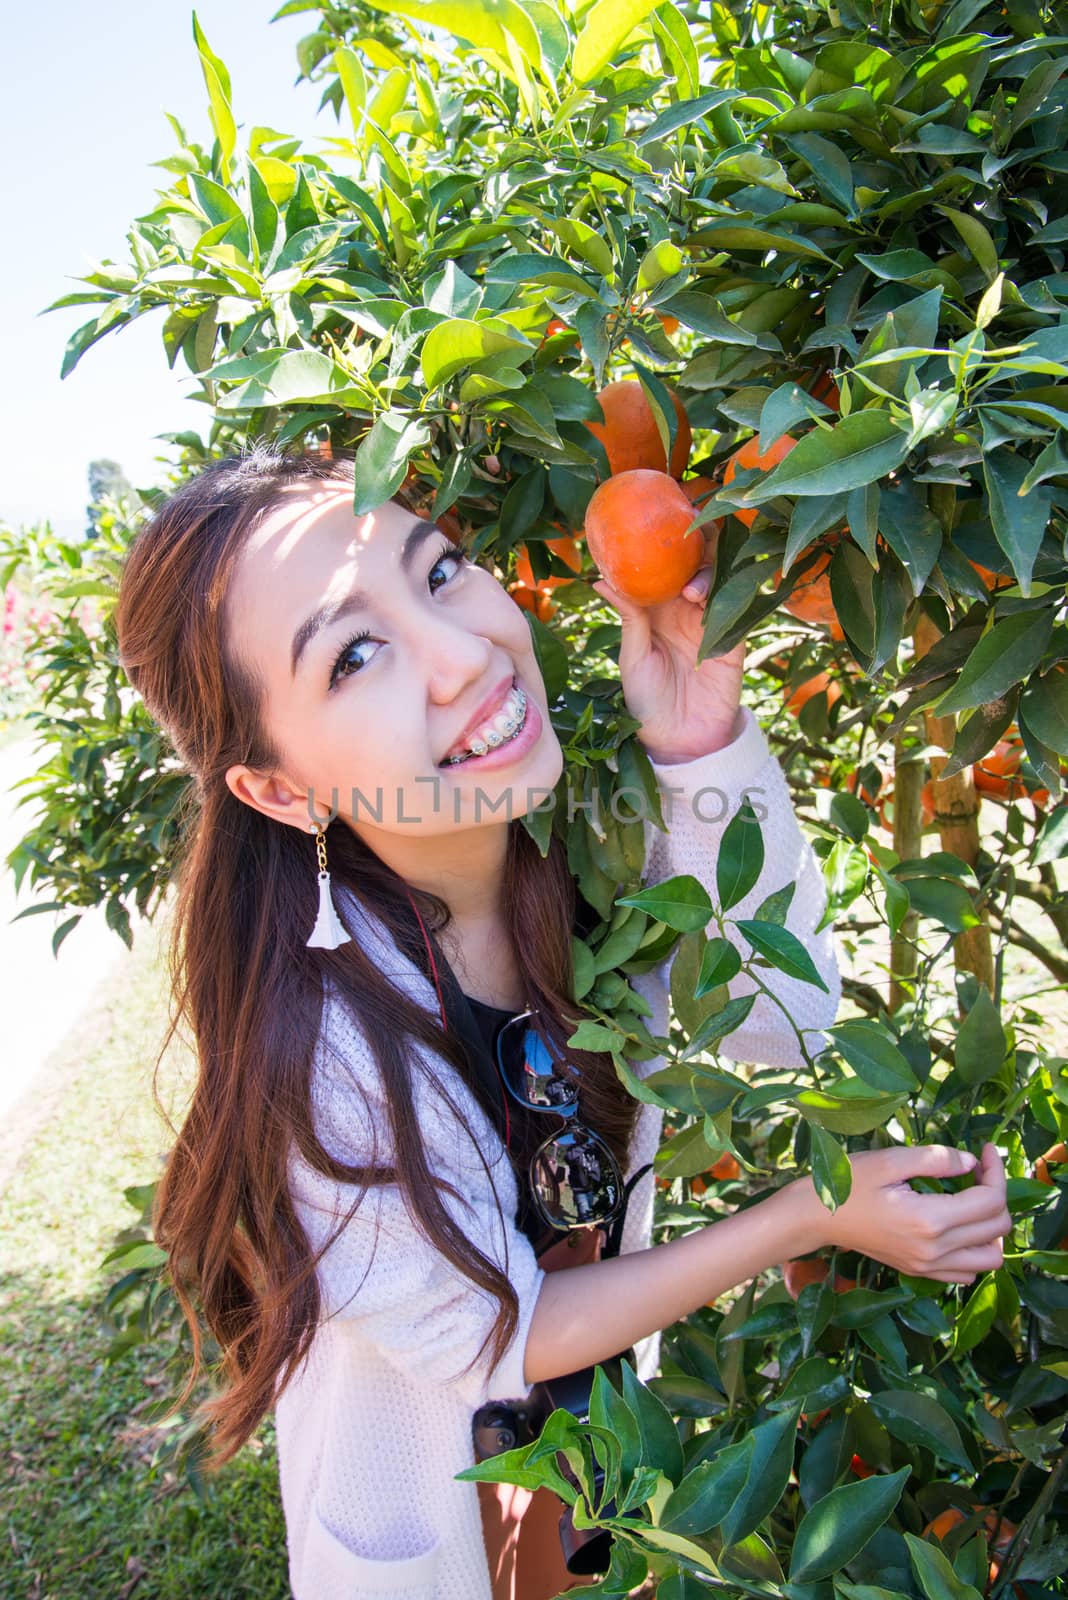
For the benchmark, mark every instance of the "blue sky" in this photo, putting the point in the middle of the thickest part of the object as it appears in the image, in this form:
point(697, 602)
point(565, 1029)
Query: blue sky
point(82, 118)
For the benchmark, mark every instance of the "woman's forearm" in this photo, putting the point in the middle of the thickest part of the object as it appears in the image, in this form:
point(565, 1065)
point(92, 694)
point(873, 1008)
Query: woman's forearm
point(587, 1314)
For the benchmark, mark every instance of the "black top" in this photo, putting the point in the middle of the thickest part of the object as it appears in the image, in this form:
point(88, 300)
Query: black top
point(522, 1130)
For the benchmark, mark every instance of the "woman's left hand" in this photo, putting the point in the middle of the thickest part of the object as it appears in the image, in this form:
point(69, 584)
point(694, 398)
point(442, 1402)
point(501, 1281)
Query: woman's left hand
point(685, 709)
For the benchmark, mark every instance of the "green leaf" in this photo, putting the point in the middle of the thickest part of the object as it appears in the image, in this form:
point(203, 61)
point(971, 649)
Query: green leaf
point(1044, 708)
point(684, 112)
point(784, 950)
point(1019, 520)
point(217, 82)
point(874, 1056)
point(838, 1527)
point(1006, 655)
point(706, 1494)
point(720, 1024)
point(664, 260)
point(487, 24)
point(858, 450)
point(848, 1107)
point(977, 239)
point(382, 458)
point(787, 404)
point(916, 1418)
point(609, 1410)
point(831, 1172)
point(460, 342)
point(741, 857)
point(980, 1048)
point(720, 962)
point(591, 1035)
point(777, 904)
point(976, 1320)
point(897, 266)
point(770, 1466)
point(661, 1445)
point(608, 24)
point(682, 902)
point(934, 1573)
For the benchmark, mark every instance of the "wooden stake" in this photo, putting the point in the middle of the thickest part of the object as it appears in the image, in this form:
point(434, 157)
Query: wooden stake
point(957, 815)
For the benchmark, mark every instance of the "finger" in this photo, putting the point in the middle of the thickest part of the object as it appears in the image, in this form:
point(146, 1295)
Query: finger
point(978, 1204)
point(973, 1234)
point(626, 608)
point(991, 1173)
point(928, 1161)
point(978, 1258)
point(699, 585)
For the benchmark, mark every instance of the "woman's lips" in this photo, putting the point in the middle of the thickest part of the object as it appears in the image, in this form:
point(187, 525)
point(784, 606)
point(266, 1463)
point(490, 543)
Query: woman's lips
point(511, 750)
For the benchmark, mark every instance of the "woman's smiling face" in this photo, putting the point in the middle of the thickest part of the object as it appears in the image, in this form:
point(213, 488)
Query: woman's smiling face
point(378, 645)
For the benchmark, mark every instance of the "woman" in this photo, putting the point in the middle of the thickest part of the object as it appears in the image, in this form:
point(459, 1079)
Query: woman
point(340, 1198)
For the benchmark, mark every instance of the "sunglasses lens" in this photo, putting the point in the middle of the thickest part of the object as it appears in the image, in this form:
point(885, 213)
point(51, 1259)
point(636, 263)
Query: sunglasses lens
point(530, 1070)
point(576, 1179)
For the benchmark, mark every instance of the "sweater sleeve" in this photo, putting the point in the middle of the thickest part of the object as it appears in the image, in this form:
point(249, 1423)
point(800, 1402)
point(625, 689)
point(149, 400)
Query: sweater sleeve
point(699, 798)
point(388, 1282)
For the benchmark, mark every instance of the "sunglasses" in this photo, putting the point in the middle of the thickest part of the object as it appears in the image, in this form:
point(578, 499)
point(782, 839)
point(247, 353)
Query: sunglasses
point(574, 1178)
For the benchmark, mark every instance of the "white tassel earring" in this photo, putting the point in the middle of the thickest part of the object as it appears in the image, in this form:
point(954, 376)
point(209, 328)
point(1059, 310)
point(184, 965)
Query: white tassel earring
point(328, 932)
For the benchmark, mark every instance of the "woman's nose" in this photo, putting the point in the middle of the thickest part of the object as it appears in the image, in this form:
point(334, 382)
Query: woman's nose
point(455, 657)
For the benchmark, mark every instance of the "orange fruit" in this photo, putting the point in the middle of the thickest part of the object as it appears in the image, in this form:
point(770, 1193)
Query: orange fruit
point(629, 433)
point(533, 594)
point(927, 807)
point(1056, 1154)
point(636, 529)
point(535, 600)
point(749, 458)
point(993, 580)
point(799, 1273)
point(996, 772)
point(820, 682)
point(866, 794)
point(721, 1172)
point(823, 387)
point(1000, 1532)
point(811, 600)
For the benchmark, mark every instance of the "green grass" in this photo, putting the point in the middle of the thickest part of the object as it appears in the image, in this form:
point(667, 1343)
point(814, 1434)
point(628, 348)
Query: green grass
point(85, 1510)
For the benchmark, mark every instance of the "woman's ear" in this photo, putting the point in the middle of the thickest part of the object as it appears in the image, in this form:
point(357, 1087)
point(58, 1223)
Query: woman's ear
point(271, 794)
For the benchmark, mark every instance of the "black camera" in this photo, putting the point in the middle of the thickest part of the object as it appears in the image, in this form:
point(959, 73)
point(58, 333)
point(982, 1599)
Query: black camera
point(508, 1425)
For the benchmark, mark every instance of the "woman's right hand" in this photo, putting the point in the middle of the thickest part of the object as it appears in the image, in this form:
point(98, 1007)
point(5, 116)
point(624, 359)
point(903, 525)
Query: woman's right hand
point(950, 1236)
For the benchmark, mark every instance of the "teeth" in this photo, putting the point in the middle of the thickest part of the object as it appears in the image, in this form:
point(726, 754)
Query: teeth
point(498, 730)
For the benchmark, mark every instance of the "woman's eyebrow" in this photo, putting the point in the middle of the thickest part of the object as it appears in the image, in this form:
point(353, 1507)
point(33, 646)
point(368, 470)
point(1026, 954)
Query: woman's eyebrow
point(356, 599)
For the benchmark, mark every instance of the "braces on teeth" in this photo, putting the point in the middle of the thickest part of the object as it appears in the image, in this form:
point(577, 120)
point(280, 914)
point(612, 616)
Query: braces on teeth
point(479, 747)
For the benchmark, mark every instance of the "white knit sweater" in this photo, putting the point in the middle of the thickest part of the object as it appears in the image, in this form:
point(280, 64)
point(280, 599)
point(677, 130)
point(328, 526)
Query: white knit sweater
point(377, 1423)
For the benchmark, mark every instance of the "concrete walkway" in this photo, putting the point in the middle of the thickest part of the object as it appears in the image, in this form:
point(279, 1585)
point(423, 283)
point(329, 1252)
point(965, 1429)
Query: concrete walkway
point(42, 994)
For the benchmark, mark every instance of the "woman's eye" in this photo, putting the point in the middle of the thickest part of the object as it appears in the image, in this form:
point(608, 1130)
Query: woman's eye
point(449, 552)
point(343, 657)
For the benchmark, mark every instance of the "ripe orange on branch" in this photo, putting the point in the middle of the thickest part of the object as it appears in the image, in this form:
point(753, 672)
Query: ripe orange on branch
point(749, 459)
point(811, 600)
point(819, 683)
point(799, 1273)
point(533, 594)
point(999, 1534)
point(630, 435)
point(637, 530)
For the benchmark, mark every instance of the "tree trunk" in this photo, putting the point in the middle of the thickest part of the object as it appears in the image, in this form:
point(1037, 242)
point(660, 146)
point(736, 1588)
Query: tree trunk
point(908, 844)
point(957, 816)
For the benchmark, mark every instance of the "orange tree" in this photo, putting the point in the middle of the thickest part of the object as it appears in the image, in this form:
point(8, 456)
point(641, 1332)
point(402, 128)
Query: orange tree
point(824, 246)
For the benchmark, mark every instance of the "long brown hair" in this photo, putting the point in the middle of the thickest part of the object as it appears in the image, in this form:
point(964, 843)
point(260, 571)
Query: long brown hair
point(250, 990)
